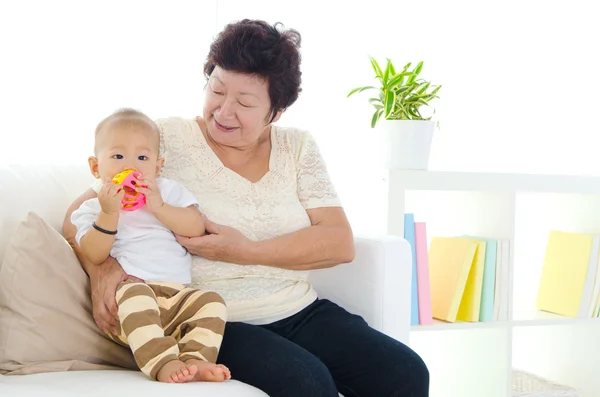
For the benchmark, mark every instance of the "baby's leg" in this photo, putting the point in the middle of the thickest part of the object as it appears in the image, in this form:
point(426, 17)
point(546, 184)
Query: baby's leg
point(140, 325)
point(197, 319)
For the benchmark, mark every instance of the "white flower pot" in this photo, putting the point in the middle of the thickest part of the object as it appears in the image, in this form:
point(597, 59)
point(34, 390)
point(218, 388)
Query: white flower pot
point(405, 144)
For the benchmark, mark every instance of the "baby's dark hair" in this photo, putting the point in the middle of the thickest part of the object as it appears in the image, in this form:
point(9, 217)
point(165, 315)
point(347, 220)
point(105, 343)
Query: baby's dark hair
point(127, 117)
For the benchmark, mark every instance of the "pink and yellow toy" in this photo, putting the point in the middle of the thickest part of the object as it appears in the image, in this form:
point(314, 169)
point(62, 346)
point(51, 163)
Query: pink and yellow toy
point(132, 200)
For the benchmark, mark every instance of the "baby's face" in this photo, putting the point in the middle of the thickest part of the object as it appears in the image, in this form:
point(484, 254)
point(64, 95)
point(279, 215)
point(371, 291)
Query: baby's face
point(123, 148)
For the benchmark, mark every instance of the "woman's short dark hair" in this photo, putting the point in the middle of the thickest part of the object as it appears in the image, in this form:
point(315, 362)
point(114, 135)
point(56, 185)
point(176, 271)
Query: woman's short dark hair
point(255, 47)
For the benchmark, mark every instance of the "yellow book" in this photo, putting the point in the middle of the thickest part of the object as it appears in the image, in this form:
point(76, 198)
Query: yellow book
point(471, 300)
point(567, 281)
point(450, 260)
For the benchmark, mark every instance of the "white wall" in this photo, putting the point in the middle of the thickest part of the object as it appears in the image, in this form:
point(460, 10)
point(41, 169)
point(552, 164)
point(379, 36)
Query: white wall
point(519, 78)
point(66, 64)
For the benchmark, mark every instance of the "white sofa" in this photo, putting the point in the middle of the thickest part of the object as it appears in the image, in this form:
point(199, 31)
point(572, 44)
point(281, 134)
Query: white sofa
point(376, 285)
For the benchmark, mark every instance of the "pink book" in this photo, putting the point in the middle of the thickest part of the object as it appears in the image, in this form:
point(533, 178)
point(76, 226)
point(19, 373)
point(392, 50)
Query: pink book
point(423, 273)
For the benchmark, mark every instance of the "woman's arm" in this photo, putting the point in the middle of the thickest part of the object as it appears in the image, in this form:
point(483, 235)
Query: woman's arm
point(69, 230)
point(327, 242)
point(104, 278)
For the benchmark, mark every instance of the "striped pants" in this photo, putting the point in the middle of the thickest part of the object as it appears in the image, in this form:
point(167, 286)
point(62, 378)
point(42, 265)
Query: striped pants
point(161, 322)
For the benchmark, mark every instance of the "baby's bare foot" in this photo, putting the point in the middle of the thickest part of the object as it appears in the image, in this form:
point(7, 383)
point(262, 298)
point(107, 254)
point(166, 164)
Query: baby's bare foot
point(208, 372)
point(177, 372)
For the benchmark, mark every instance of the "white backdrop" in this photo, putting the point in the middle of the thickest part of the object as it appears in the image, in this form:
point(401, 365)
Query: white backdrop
point(520, 78)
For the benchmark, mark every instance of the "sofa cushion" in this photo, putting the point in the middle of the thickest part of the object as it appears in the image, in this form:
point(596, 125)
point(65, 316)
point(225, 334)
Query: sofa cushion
point(45, 189)
point(45, 307)
point(116, 384)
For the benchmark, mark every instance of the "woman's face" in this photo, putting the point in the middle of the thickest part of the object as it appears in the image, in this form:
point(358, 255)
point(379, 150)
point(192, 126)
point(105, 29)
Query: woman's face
point(236, 107)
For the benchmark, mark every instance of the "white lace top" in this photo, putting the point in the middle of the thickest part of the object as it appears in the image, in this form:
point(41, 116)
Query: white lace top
point(297, 180)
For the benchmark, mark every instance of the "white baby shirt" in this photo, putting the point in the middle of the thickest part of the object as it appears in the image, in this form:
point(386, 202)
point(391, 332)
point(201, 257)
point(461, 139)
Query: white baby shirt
point(145, 247)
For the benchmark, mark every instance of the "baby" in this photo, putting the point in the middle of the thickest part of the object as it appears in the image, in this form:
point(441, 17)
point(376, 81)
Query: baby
point(174, 332)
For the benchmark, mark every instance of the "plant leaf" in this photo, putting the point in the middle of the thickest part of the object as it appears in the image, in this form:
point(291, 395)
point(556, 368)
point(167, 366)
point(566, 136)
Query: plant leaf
point(416, 72)
point(397, 79)
point(414, 114)
point(391, 66)
point(390, 100)
point(423, 88)
point(402, 90)
point(388, 72)
point(418, 68)
point(435, 91)
point(376, 68)
point(360, 89)
point(375, 117)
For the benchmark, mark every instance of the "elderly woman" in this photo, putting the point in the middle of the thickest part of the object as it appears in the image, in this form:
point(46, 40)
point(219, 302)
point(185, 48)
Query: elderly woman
point(272, 216)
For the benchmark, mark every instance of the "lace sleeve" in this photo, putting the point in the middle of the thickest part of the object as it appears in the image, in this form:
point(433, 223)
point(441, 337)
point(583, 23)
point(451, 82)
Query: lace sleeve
point(314, 184)
point(166, 128)
point(172, 137)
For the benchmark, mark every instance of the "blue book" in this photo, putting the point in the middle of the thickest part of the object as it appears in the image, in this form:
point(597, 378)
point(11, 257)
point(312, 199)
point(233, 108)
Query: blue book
point(409, 235)
point(486, 310)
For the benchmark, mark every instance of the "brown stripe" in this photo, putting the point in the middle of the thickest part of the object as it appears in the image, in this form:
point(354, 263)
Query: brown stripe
point(190, 311)
point(137, 290)
point(176, 302)
point(215, 324)
point(163, 291)
point(140, 319)
point(205, 298)
point(191, 356)
point(124, 283)
point(152, 348)
point(209, 352)
point(160, 364)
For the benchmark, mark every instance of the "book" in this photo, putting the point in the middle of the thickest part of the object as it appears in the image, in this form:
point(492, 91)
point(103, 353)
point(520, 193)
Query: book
point(450, 262)
point(423, 283)
point(471, 301)
point(486, 308)
point(595, 296)
point(409, 235)
point(568, 273)
point(501, 293)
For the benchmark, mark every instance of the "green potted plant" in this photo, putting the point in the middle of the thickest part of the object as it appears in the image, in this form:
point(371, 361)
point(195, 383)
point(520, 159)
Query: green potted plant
point(400, 95)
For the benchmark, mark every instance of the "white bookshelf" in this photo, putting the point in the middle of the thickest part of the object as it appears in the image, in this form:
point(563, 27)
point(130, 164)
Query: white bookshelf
point(476, 359)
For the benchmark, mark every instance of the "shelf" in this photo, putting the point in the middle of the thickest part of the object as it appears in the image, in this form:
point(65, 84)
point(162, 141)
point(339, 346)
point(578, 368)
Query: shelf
point(521, 209)
point(460, 325)
point(540, 318)
point(490, 182)
point(528, 318)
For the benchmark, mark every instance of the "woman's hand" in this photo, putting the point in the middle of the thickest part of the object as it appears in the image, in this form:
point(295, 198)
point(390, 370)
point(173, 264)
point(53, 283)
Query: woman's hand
point(104, 282)
point(221, 243)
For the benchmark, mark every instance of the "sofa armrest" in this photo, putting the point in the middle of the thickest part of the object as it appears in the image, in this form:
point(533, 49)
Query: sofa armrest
point(376, 285)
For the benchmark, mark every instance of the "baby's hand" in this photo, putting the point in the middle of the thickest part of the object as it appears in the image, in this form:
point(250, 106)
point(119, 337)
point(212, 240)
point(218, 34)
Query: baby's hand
point(110, 197)
point(149, 188)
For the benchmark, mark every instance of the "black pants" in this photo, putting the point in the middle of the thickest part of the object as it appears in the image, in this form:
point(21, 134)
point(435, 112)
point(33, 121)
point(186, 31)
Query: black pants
point(319, 351)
